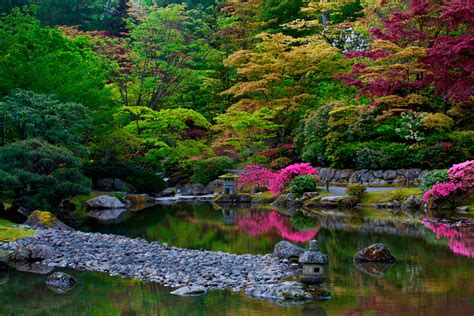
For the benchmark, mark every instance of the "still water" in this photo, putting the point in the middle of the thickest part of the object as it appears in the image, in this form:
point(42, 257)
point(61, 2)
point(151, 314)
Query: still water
point(434, 274)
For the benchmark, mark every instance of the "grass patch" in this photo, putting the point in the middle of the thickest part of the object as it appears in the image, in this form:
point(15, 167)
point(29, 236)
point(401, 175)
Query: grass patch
point(264, 197)
point(401, 194)
point(8, 231)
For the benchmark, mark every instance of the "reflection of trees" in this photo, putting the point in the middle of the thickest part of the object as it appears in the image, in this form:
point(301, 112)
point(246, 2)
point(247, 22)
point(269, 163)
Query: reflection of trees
point(99, 294)
point(261, 223)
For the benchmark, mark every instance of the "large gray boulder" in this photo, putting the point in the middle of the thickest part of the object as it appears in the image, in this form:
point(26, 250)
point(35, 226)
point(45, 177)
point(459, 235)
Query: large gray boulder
point(286, 250)
point(215, 185)
point(389, 175)
point(194, 189)
point(374, 253)
point(60, 282)
point(190, 291)
point(105, 202)
point(29, 258)
point(32, 253)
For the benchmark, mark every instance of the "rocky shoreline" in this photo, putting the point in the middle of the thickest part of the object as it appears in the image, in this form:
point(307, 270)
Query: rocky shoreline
point(257, 275)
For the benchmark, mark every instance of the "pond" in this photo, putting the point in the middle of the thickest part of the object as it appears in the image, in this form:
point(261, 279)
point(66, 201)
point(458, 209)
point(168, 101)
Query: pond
point(434, 273)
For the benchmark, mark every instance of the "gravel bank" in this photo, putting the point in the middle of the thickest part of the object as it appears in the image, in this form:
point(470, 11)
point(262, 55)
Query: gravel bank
point(156, 262)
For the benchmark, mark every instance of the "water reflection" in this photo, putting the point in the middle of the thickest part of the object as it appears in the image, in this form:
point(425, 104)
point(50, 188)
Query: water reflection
point(431, 275)
point(259, 223)
point(461, 238)
point(374, 269)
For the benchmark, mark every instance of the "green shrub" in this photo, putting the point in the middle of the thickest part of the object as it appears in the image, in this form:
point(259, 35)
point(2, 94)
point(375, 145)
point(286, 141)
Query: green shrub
point(433, 176)
point(280, 163)
point(440, 156)
point(356, 189)
point(39, 175)
point(367, 158)
point(303, 183)
point(395, 155)
point(204, 171)
point(145, 181)
point(257, 159)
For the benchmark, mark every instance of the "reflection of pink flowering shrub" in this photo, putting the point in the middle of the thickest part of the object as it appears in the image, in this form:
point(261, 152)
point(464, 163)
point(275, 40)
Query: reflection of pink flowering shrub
point(261, 223)
point(461, 239)
point(285, 175)
point(461, 180)
point(258, 176)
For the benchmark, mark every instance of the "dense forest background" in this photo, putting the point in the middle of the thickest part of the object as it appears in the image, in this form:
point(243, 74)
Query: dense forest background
point(189, 89)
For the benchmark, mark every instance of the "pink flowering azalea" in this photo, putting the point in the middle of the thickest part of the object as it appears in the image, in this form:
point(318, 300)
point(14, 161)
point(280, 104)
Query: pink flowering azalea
point(255, 175)
point(285, 175)
point(461, 180)
point(258, 176)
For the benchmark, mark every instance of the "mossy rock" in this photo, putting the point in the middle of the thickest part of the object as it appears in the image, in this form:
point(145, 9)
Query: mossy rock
point(45, 220)
point(237, 198)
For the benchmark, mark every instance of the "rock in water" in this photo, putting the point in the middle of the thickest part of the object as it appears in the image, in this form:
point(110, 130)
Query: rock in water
point(286, 250)
point(105, 202)
point(60, 282)
point(3, 262)
point(139, 199)
point(190, 290)
point(32, 253)
point(29, 258)
point(288, 290)
point(167, 192)
point(45, 220)
point(374, 253)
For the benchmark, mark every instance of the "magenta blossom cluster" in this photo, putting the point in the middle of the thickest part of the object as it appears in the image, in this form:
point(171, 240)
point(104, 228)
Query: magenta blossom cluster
point(461, 180)
point(255, 175)
point(258, 176)
point(285, 175)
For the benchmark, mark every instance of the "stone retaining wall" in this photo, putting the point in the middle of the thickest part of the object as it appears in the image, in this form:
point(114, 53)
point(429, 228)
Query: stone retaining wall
point(371, 177)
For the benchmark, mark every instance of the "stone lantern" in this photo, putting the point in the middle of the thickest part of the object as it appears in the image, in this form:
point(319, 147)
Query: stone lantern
point(230, 186)
point(314, 264)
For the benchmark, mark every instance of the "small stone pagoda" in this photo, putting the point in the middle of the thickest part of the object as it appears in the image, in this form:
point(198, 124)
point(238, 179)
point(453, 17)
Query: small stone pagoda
point(314, 265)
point(230, 185)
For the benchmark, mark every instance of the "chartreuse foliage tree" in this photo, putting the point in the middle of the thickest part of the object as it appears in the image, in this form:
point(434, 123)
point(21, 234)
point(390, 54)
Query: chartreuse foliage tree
point(168, 125)
point(38, 175)
point(44, 61)
point(244, 131)
point(280, 73)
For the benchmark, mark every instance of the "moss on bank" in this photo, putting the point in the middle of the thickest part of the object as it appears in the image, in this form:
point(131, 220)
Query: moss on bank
point(9, 232)
point(401, 195)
